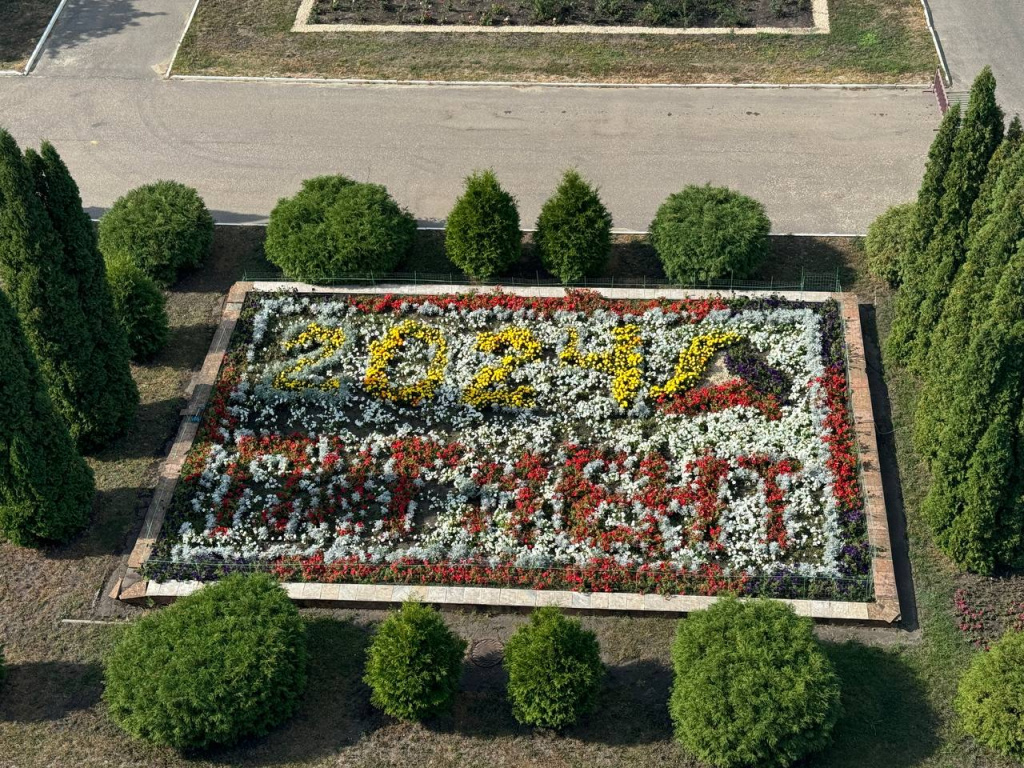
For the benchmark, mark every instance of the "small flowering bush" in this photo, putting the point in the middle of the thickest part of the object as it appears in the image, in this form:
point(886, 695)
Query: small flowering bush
point(414, 663)
point(990, 699)
point(554, 670)
point(752, 685)
point(576, 443)
point(222, 664)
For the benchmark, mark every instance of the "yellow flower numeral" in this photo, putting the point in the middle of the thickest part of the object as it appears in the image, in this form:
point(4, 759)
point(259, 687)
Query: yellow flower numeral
point(484, 390)
point(330, 340)
point(382, 351)
point(623, 362)
point(693, 361)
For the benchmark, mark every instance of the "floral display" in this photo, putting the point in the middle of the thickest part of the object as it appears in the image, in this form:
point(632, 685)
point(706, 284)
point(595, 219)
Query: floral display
point(576, 442)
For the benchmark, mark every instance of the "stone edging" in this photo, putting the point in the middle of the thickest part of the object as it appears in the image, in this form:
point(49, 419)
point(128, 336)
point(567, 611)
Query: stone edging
point(885, 609)
point(819, 14)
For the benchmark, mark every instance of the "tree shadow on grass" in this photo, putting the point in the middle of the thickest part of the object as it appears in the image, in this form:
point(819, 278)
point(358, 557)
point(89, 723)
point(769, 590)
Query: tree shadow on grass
point(887, 720)
point(631, 709)
point(335, 711)
point(49, 690)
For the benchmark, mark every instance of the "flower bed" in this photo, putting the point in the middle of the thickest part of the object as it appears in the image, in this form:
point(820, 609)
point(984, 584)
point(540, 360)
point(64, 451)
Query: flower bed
point(682, 447)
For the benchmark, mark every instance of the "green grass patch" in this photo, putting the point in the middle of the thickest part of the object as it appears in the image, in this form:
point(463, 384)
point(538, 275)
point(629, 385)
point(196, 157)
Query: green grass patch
point(870, 41)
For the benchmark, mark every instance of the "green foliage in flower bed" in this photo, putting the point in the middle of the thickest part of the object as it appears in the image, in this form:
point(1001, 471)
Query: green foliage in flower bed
point(554, 670)
point(140, 308)
point(482, 236)
point(335, 226)
point(752, 687)
point(710, 232)
point(162, 228)
point(414, 663)
point(574, 231)
point(222, 664)
point(990, 699)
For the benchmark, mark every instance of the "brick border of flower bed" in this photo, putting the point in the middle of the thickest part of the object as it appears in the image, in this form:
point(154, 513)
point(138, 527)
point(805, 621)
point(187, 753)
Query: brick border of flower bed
point(819, 14)
point(885, 608)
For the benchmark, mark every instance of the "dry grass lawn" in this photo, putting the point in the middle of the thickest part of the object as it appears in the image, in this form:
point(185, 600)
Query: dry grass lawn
point(871, 41)
point(896, 683)
point(21, 24)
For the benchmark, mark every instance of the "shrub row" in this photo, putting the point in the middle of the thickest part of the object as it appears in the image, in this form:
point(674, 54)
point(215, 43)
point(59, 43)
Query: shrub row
point(752, 684)
point(335, 227)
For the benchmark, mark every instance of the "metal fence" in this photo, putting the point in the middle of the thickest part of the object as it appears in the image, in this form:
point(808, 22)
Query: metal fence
point(807, 282)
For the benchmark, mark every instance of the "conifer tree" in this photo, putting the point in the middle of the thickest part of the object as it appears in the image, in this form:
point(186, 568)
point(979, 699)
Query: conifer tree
point(979, 136)
point(113, 396)
point(974, 503)
point(46, 488)
point(45, 296)
point(929, 199)
point(991, 247)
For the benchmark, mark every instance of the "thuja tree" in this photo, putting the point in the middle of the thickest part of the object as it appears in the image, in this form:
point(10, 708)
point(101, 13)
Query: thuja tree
point(991, 247)
point(482, 236)
point(108, 395)
point(984, 205)
point(46, 488)
point(975, 503)
point(574, 230)
point(45, 295)
point(929, 198)
point(981, 133)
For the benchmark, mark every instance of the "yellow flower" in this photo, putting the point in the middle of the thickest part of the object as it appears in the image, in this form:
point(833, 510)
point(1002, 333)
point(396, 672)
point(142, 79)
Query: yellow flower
point(623, 362)
point(330, 340)
point(383, 350)
point(693, 361)
point(484, 390)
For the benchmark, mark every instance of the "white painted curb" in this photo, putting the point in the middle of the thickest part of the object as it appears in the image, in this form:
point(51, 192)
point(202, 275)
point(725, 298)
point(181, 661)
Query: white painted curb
point(938, 45)
point(540, 84)
point(42, 40)
point(181, 39)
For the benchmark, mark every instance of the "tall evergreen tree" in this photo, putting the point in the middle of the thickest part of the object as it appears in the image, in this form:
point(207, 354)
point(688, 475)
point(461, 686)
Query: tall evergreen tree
point(45, 296)
point(46, 488)
point(928, 211)
point(114, 396)
point(984, 205)
point(974, 503)
point(991, 247)
point(979, 136)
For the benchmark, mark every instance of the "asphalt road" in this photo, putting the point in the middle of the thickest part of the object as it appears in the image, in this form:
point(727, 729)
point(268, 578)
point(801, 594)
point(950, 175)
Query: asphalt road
point(820, 160)
point(974, 33)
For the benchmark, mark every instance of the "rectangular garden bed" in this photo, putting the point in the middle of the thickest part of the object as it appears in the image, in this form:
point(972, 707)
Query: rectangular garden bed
point(788, 14)
point(513, 444)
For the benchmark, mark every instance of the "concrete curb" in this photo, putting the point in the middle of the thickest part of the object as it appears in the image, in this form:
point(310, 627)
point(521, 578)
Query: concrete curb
point(42, 40)
point(929, 19)
point(132, 588)
point(355, 81)
point(181, 39)
point(819, 17)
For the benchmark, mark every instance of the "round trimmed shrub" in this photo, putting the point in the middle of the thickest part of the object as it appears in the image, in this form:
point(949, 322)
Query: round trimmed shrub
point(554, 670)
point(752, 685)
point(140, 308)
point(335, 226)
point(990, 699)
point(703, 233)
point(414, 663)
point(482, 235)
point(890, 238)
point(162, 228)
point(574, 231)
point(225, 663)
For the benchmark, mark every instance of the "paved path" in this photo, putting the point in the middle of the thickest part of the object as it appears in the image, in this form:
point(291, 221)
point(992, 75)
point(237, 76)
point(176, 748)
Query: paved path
point(114, 38)
point(974, 33)
point(821, 161)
